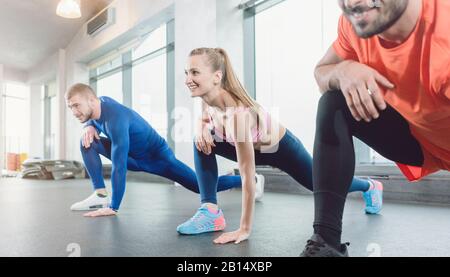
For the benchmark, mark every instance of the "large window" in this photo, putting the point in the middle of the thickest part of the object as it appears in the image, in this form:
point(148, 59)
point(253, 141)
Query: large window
point(149, 80)
point(284, 42)
point(286, 46)
point(141, 77)
point(16, 125)
point(111, 86)
point(151, 43)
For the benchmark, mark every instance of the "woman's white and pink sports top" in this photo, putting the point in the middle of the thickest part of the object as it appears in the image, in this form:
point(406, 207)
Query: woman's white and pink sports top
point(257, 133)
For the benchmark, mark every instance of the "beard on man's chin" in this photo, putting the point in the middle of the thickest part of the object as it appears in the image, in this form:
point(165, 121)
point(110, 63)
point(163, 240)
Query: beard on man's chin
point(86, 118)
point(389, 14)
point(366, 30)
point(362, 32)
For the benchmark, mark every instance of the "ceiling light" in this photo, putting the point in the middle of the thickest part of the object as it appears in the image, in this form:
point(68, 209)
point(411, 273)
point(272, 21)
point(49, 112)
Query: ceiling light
point(69, 9)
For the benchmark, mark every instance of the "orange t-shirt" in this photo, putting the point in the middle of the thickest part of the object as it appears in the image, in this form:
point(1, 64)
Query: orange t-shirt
point(420, 70)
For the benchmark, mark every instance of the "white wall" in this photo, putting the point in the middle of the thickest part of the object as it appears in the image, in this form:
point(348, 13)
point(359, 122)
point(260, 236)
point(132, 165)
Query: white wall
point(36, 120)
point(230, 33)
point(53, 68)
point(331, 13)
point(230, 36)
point(14, 75)
point(61, 131)
point(44, 71)
point(2, 151)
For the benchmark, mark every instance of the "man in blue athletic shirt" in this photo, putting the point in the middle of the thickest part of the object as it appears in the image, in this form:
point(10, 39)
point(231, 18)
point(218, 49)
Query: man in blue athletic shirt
point(130, 143)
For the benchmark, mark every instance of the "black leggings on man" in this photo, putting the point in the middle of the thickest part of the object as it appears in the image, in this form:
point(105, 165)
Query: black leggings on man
point(334, 156)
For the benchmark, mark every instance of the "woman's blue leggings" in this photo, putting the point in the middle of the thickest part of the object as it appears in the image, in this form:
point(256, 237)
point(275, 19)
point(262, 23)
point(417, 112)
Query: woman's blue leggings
point(160, 162)
point(291, 157)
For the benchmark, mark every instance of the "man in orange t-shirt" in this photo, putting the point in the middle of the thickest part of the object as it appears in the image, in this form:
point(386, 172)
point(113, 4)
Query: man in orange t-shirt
point(386, 81)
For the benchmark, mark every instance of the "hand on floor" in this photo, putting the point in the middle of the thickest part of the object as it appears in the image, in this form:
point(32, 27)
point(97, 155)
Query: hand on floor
point(101, 212)
point(236, 236)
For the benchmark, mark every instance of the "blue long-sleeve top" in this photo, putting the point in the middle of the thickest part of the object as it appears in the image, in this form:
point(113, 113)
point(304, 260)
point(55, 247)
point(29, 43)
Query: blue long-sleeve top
point(130, 135)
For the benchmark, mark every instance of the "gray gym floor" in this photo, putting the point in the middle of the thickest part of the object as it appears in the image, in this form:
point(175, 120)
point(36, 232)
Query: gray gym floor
point(36, 221)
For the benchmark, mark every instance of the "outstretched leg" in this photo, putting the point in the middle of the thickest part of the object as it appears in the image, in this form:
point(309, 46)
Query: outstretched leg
point(165, 164)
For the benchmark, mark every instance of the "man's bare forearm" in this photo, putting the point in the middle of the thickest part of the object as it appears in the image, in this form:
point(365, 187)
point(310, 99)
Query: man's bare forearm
point(327, 76)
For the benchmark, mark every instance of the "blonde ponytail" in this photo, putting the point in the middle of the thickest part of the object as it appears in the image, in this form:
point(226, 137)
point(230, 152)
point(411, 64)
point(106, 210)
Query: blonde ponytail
point(231, 83)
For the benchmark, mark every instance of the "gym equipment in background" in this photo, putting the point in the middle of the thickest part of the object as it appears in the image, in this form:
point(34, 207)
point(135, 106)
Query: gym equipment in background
point(52, 170)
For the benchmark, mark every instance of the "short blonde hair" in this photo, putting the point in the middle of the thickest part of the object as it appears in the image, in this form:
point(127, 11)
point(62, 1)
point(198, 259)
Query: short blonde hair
point(80, 89)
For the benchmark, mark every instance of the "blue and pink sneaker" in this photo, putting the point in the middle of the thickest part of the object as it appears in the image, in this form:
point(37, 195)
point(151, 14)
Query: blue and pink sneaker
point(203, 221)
point(374, 197)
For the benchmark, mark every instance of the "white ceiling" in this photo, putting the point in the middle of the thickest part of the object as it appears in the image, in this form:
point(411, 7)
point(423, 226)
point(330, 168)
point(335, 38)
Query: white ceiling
point(30, 30)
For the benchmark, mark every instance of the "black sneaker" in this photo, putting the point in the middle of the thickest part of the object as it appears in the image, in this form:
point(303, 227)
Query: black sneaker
point(317, 247)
